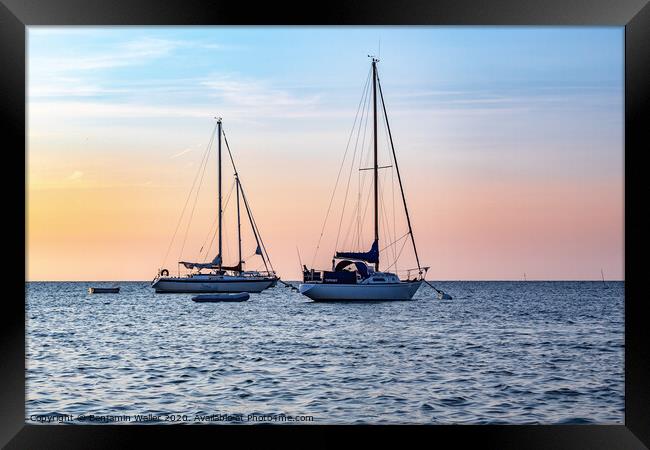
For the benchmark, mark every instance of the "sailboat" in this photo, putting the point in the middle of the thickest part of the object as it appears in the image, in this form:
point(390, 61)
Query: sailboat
point(356, 276)
point(214, 276)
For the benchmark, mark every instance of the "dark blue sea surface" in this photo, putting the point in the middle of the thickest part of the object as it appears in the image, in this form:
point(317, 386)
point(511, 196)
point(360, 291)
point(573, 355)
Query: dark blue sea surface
point(499, 352)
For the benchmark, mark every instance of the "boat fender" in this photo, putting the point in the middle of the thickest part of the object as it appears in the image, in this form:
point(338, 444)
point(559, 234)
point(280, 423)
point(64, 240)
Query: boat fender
point(164, 273)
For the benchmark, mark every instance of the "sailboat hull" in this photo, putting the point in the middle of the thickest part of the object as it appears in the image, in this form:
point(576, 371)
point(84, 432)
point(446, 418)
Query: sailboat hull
point(215, 285)
point(323, 292)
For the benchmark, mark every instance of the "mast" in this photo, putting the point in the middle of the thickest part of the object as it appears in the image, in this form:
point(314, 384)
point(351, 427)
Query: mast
point(219, 173)
point(375, 169)
point(238, 224)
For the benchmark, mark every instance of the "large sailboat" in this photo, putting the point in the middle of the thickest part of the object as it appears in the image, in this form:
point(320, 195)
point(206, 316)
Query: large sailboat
point(356, 276)
point(214, 276)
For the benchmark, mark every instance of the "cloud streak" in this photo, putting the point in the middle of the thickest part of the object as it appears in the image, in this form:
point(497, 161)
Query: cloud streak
point(250, 92)
point(136, 52)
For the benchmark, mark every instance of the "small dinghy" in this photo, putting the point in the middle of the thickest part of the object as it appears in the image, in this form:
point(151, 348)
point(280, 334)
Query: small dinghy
point(212, 298)
point(104, 290)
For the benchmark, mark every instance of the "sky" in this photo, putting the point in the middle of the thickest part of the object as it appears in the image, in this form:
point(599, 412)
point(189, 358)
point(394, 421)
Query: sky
point(509, 142)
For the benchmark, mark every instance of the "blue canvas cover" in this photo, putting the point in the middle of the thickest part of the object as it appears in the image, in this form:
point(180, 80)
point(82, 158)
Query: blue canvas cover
point(371, 256)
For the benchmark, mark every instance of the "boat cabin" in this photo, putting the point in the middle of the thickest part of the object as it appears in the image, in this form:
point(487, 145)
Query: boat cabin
point(349, 272)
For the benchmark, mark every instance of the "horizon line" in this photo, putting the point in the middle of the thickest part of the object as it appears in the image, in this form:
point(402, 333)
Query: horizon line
point(288, 281)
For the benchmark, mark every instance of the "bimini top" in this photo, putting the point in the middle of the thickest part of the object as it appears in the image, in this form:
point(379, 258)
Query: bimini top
point(361, 267)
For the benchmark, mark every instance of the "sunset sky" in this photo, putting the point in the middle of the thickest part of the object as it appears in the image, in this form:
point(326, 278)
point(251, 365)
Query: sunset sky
point(510, 144)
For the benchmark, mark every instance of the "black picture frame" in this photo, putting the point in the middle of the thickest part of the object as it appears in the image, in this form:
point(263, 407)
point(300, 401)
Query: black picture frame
point(634, 15)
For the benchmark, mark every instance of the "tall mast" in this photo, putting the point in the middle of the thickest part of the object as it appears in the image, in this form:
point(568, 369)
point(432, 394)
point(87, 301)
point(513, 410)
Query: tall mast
point(219, 173)
point(238, 223)
point(375, 169)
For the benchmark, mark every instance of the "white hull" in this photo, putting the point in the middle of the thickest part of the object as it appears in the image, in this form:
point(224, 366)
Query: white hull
point(191, 285)
point(360, 292)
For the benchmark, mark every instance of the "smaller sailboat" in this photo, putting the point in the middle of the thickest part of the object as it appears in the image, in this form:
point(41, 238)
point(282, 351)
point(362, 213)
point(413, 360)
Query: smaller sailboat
point(214, 276)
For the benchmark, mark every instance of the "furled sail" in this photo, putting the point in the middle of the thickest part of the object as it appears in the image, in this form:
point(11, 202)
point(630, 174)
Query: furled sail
point(192, 265)
point(371, 256)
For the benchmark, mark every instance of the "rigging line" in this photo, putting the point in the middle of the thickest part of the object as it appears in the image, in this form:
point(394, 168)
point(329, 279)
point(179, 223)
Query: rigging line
point(365, 210)
point(399, 177)
point(227, 240)
point(299, 258)
point(399, 254)
point(250, 220)
point(384, 217)
point(256, 232)
point(232, 161)
point(392, 185)
point(392, 191)
point(341, 168)
point(363, 146)
point(212, 228)
point(214, 222)
point(347, 188)
point(196, 197)
point(264, 251)
point(189, 194)
point(355, 221)
point(364, 178)
point(225, 224)
point(368, 154)
point(395, 242)
point(381, 193)
point(361, 183)
point(358, 208)
point(349, 229)
point(207, 252)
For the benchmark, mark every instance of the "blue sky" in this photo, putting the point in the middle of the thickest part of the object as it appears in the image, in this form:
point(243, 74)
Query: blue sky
point(273, 75)
point(475, 112)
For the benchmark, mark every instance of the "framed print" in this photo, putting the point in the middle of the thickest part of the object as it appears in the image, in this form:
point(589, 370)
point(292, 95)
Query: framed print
point(423, 218)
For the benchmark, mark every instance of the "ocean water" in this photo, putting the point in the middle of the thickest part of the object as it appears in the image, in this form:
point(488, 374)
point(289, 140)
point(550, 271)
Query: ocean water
point(499, 352)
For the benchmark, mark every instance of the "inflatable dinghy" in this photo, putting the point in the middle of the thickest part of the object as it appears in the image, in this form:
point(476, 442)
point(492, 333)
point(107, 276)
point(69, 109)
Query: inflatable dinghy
point(211, 298)
point(101, 290)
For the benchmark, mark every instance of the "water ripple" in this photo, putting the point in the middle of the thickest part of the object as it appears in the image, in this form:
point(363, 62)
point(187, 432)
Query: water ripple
point(500, 352)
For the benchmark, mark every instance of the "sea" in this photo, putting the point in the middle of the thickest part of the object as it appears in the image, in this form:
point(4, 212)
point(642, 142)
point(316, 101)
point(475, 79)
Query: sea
point(496, 353)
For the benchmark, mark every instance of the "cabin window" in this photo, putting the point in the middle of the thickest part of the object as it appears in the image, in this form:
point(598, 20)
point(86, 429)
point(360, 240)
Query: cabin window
point(379, 279)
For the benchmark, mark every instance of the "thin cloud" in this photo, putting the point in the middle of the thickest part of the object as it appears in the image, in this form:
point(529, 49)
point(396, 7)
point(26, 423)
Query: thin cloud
point(124, 54)
point(250, 92)
point(187, 150)
point(76, 175)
